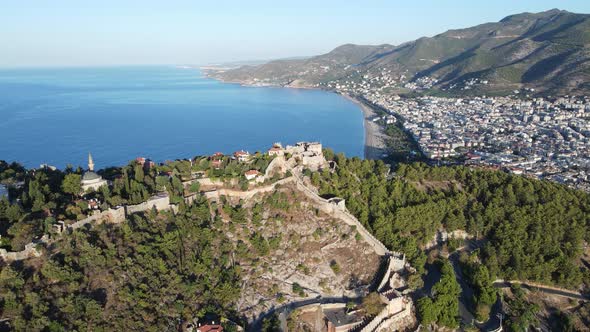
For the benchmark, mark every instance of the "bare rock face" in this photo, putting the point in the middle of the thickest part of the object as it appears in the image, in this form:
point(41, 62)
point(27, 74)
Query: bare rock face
point(289, 251)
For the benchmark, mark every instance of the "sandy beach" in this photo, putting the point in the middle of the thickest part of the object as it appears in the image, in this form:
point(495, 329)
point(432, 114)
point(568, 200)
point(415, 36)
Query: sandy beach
point(374, 135)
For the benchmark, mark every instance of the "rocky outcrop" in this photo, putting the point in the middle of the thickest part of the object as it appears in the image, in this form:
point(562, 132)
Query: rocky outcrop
point(318, 257)
point(335, 209)
point(442, 236)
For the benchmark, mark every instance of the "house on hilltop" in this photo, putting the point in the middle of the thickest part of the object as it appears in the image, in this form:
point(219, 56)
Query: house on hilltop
point(210, 326)
point(251, 174)
point(216, 160)
point(146, 163)
point(242, 156)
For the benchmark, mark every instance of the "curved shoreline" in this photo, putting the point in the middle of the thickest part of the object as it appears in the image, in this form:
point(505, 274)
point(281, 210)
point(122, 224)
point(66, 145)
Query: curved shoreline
point(374, 137)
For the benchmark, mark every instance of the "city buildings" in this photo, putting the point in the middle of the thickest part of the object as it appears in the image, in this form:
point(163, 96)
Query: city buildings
point(546, 138)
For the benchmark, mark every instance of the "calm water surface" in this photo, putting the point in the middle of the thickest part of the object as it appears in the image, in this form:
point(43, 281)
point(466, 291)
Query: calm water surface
point(57, 116)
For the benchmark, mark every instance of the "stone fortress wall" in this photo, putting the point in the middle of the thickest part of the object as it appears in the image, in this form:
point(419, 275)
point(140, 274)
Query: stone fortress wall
point(397, 313)
point(112, 215)
point(160, 202)
point(29, 251)
point(336, 208)
point(398, 309)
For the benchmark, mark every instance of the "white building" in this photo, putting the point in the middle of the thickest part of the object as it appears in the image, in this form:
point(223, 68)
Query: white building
point(251, 174)
point(91, 180)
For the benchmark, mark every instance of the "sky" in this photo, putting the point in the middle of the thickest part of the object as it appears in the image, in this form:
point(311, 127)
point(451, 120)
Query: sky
point(138, 32)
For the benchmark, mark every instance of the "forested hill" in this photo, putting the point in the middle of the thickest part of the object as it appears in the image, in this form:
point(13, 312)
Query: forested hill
point(510, 214)
point(548, 51)
point(159, 270)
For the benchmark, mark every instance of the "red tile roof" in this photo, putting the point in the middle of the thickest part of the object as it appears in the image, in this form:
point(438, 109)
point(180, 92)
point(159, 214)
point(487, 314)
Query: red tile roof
point(210, 328)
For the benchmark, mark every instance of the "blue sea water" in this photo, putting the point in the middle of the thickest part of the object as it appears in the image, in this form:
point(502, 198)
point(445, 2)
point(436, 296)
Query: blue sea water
point(57, 116)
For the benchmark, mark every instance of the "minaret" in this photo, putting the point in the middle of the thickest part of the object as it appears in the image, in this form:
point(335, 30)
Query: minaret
point(90, 163)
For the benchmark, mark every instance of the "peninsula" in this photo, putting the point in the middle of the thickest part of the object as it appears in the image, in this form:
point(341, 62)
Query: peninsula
point(277, 238)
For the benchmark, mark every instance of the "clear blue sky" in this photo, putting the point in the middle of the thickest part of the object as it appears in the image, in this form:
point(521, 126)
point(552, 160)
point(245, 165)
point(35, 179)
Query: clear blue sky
point(110, 32)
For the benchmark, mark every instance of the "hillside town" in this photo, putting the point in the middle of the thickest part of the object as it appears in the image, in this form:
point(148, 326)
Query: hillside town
point(545, 138)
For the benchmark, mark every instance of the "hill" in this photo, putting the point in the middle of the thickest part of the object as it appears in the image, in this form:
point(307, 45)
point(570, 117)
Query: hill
point(242, 249)
point(547, 51)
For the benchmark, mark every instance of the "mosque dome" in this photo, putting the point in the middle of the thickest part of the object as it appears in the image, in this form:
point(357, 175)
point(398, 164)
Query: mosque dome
point(91, 180)
point(90, 176)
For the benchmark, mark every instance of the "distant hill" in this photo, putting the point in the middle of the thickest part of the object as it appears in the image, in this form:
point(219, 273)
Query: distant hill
point(548, 51)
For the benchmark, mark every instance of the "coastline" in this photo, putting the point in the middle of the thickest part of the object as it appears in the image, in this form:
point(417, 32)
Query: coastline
point(258, 84)
point(374, 136)
point(374, 142)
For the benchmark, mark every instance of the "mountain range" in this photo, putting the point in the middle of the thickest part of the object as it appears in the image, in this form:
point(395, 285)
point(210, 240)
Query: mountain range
point(548, 52)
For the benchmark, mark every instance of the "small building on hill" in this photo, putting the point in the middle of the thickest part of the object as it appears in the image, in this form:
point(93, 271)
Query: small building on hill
point(251, 174)
point(212, 326)
point(91, 180)
point(216, 160)
point(146, 163)
point(242, 156)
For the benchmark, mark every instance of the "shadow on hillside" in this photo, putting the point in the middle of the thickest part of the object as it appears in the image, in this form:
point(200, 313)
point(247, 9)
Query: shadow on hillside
point(545, 66)
point(540, 37)
point(552, 33)
point(449, 62)
point(387, 53)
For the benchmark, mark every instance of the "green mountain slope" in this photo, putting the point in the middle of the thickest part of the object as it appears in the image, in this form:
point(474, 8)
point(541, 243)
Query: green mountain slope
point(548, 51)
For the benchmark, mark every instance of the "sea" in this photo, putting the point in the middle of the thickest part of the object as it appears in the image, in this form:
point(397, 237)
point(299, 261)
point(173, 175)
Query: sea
point(56, 116)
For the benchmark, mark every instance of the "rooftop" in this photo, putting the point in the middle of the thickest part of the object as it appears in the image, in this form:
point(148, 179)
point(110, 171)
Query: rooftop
point(338, 317)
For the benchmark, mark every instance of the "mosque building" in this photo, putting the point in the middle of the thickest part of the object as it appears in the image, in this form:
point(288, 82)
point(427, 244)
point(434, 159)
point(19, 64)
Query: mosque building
point(91, 180)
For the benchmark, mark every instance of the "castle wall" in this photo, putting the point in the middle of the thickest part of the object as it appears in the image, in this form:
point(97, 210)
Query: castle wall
point(29, 251)
point(161, 202)
point(216, 194)
point(396, 311)
point(111, 215)
point(326, 206)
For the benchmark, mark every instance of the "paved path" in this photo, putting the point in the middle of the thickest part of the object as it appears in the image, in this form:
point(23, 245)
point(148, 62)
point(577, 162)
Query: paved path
point(466, 297)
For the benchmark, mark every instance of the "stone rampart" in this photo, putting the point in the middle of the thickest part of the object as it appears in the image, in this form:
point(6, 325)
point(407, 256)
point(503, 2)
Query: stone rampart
point(216, 194)
point(29, 251)
point(396, 311)
point(115, 215)
point(336, 210)
point(160, 202)
point(398, 319)
point(276, 166)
